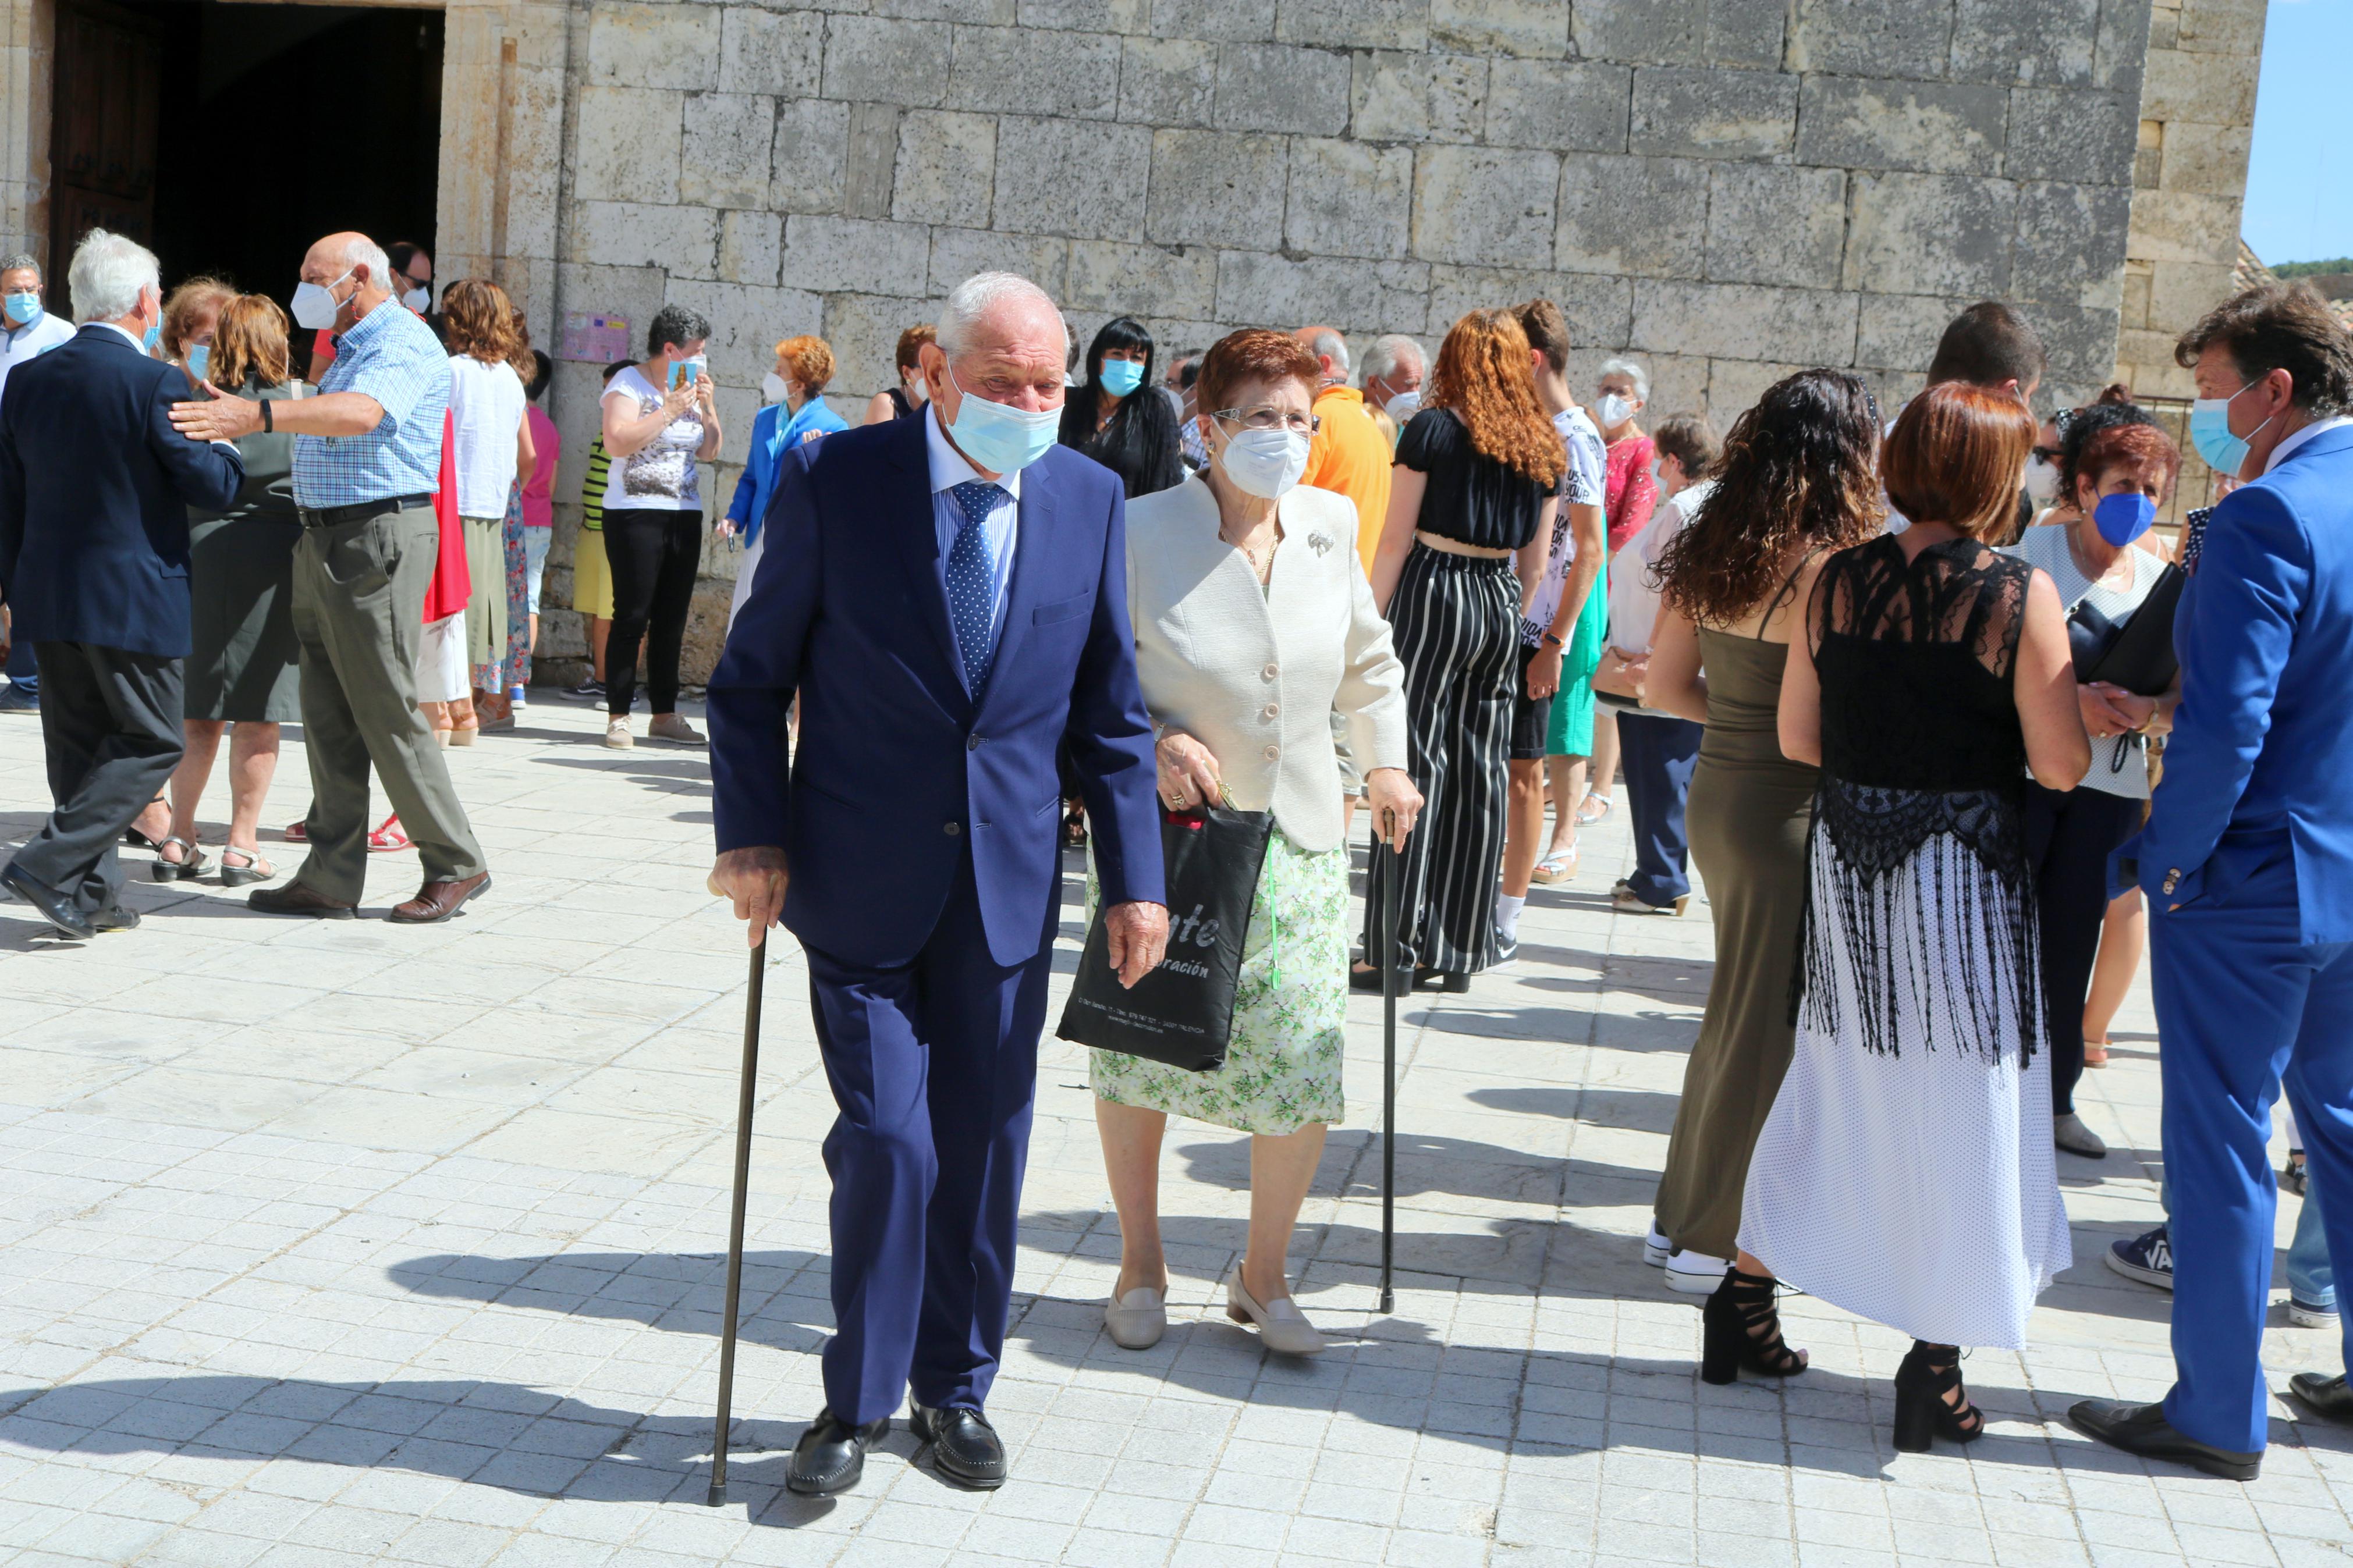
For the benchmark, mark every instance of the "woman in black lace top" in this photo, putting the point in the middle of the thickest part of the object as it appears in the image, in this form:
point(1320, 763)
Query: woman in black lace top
point(1905, 1170)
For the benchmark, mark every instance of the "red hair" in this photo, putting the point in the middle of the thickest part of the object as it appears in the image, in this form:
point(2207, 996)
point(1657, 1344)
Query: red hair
point(2129, 447)
point(1956, 456)
point(1254, 353)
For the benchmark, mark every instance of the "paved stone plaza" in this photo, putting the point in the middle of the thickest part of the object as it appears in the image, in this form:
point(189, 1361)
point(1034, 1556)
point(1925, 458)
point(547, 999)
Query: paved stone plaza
point(338, 1243)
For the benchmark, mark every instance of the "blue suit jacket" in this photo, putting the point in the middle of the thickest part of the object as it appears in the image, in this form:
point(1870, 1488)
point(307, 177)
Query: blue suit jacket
point(897, 768)
point(95, 486)
point(2262, 744)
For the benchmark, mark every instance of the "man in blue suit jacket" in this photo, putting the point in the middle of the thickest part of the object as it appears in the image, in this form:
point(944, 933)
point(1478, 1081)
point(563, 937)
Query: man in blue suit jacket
point(2248, 861)
point(947, 597)
point(95, 486)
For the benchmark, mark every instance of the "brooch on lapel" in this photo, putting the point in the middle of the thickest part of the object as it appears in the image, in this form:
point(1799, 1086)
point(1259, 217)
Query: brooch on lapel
point(1319, 541)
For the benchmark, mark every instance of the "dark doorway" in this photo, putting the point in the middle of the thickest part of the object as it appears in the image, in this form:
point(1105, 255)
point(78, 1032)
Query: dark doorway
point(228, 137)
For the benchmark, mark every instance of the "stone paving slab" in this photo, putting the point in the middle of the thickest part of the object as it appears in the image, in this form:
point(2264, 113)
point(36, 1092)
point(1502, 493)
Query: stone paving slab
point(343, 1244)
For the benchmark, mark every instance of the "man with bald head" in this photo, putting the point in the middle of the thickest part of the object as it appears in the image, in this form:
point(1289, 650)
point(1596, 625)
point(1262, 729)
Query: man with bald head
point(367, 460)
point(947, 597)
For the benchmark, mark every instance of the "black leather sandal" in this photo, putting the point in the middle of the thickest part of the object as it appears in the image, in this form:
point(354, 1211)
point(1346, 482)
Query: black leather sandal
point(1923, 1413)
point(1741, 1327)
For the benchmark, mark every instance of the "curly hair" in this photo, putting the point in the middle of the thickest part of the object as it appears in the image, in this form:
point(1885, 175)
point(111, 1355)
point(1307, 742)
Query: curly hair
point(809, 359)
point(1484, 376)
point(249, 343)
point(185, 305)
point(1799, 467)
point(479, 321)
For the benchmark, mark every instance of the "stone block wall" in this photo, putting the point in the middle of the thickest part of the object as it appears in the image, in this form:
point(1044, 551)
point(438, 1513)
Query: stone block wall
point(1730, 188)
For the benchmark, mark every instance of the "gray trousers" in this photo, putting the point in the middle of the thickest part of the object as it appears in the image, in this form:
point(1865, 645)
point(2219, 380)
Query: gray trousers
point(111, 725)
point(359, 608)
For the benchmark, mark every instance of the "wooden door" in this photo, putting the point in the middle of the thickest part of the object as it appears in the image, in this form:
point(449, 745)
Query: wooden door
point(103, 142)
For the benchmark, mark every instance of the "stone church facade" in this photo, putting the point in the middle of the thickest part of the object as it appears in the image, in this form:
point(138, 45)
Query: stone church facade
point(1730, 189)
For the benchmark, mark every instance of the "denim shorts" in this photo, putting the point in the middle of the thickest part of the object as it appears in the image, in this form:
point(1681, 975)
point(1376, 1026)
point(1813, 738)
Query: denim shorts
point(535, 543)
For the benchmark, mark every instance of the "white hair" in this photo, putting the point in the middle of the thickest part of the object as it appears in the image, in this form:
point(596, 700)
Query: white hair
point(361, 251)
point(108, 275)
point(1632, 371)
point(982, 292)
point(1325, 343)
point(1389, 351)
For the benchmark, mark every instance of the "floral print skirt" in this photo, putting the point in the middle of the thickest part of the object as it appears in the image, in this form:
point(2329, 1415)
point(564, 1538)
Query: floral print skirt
point(1290, 1011)
point(511, 664)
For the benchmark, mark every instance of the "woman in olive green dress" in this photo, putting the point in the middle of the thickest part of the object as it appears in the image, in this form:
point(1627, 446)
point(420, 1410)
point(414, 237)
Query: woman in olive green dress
point(241, 674)
point(1254, 624)
point(1798, 480)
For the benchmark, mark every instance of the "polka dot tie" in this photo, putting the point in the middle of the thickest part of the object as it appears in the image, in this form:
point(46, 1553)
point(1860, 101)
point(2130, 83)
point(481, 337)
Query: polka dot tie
point(972, 582)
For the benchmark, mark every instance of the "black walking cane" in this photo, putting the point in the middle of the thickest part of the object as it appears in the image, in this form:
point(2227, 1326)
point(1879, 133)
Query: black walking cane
point(718, 1497)
point(1387, 923)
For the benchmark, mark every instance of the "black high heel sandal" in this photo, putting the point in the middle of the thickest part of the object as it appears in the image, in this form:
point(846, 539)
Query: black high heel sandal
point(1741, 1327)
point(1922, 1412)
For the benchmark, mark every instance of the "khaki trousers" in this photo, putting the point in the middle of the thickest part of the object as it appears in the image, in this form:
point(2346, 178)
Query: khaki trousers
point(359, 608)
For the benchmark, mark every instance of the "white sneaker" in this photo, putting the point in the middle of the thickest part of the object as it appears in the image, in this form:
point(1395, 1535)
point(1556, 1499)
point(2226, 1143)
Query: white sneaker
point(617, 734)
point(2304, 1317)
point(1694, 1272)
point(1656, 1248)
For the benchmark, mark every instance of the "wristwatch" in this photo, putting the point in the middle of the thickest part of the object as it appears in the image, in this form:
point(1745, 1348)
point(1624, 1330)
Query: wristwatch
point(1554, 640)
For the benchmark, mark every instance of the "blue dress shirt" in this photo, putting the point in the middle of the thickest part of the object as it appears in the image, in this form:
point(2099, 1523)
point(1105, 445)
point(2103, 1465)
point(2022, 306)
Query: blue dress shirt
point(998, 530)
point(391, 355)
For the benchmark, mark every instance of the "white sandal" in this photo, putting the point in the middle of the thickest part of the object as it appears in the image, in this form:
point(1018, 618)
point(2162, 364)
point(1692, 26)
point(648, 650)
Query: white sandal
point(1557, 868)
point(1584, 810)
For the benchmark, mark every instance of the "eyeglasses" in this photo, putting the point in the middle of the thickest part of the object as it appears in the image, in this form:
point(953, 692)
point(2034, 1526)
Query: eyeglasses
point(1267, 417)
point(2048, 453)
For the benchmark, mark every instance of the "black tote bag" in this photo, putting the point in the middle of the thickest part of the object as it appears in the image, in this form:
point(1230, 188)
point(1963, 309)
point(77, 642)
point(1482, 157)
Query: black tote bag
point(1182, 1013)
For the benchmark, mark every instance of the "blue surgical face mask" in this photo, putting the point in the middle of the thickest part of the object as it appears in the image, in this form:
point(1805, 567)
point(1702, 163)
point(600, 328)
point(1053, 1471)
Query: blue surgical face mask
point(1002, 439)
point(2124, 517)
point(154, 335)
point(2209, 431)
point(200, 361)
point(24, 309)
point(1120, 376)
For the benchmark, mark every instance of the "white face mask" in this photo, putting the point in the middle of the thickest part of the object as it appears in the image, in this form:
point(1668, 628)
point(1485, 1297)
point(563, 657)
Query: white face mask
point(417, 299)
point(1265, 463)
point(315, 305)
point(1615, 410)
point(2041, 480)
point(1404, 405)
point(774, 387)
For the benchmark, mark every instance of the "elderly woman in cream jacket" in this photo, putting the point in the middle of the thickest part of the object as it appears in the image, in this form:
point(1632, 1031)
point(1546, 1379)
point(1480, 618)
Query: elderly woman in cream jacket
point(1253, 624)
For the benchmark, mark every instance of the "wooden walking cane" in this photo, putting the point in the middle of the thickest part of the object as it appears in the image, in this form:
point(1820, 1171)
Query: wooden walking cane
point(1388, 961)
point(718, 1497)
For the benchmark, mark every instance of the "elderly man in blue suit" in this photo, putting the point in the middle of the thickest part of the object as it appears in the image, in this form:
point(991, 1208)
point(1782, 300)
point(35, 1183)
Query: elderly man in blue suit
point(947, 597)
point(2248, 862)
point(95, 486)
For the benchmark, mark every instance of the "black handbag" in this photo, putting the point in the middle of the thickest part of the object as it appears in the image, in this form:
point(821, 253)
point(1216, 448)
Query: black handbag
point(2136, 653)
point(1181, 1014)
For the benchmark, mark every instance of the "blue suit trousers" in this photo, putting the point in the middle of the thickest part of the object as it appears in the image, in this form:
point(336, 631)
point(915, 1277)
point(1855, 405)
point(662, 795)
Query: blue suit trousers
point(1660, 752)
point(934, 1065)
point(2244, 1005)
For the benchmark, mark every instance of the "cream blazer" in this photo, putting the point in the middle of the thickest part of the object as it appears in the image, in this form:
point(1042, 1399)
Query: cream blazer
point(1256, 676)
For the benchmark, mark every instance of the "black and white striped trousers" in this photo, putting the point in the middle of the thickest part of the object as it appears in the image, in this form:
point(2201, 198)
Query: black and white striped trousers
point(1456, 623)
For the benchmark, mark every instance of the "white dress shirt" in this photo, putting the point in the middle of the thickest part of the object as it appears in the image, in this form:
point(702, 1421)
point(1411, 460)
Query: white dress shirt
point(998, 530)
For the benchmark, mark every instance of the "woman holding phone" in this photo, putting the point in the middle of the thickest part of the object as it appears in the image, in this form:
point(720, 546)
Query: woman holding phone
point(659, 424)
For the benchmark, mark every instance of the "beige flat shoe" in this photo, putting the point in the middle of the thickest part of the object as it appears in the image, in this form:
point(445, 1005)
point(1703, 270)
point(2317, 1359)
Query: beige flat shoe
point(1282, 1326)
point(1137, 1320)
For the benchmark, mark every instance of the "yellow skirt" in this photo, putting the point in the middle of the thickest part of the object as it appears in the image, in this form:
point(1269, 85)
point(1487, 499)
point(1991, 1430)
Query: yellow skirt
point(591, 575)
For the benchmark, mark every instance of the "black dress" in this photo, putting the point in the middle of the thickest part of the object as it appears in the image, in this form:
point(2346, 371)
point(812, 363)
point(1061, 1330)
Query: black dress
point(1905, 1170)
point(242, 648)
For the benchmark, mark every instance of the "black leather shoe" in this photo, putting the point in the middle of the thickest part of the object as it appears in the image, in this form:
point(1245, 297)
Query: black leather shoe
point(965, 1447)
point(2143, 1429)
point(831, 1454)
point(115, 917)
point(2326, 1395)
point(295, 899)
point(51, 905)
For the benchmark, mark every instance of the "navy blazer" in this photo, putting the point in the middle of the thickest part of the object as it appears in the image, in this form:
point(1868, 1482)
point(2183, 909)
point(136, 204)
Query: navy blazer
point(2262, 744)
point(95, 486)
point(897, 768)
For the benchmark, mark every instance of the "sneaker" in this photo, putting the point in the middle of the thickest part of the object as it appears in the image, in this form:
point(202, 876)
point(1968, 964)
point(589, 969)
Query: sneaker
point(2304, 1315)
point(673, 728)
point(617, 734)
point(2148, 1257)
point(2292, 1175)
point(1656, 1248)
point(518, 697)
point(1507, 950)
point(2068, 1132)
point(589, 690)
point(1695, 1273)
point(17, 699)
